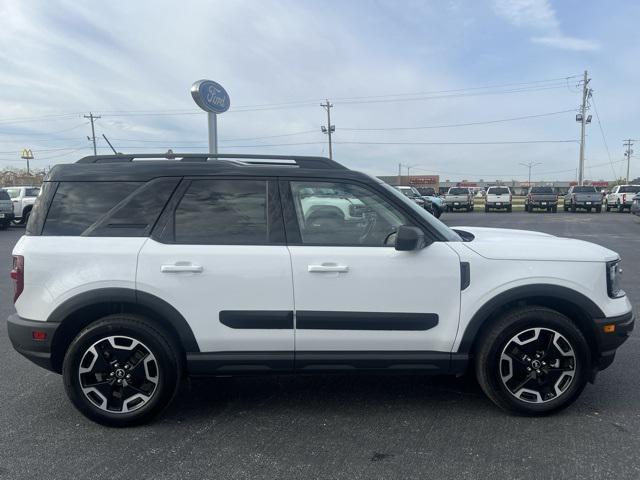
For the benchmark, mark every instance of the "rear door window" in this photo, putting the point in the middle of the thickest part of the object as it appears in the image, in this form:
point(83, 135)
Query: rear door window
point(226, 212)
point(498, 191)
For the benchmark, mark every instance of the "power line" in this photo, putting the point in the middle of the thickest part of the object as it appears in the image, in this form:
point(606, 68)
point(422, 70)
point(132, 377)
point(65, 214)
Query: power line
point(514, 142)
point(32, 134)
point(487, 122)
point(604, 138)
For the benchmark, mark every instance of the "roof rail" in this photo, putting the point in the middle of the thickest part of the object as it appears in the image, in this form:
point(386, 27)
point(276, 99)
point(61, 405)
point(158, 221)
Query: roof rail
point(239, 159)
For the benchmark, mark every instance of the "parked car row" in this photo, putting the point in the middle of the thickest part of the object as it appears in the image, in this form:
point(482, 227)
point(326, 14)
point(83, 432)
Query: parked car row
point(584, 197)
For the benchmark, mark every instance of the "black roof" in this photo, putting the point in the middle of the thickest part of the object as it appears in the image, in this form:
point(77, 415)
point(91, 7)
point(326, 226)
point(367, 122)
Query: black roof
point(144, 167)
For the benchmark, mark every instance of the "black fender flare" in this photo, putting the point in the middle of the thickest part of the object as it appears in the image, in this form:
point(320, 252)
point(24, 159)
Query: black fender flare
point(129, 296)
point(526, 292)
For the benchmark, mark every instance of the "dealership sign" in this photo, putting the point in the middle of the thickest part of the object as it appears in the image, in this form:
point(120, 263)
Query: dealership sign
point(210, 96)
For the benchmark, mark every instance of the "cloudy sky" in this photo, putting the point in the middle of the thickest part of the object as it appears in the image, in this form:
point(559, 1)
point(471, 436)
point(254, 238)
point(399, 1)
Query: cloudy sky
point(439, 85)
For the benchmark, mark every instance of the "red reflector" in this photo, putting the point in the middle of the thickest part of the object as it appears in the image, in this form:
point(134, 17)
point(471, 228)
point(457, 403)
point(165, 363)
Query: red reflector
point(38, 335)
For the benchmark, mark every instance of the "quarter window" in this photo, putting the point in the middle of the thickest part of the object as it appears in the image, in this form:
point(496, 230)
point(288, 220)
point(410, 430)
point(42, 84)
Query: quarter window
point(344, 214)
point(78, 205)
point(223, 212)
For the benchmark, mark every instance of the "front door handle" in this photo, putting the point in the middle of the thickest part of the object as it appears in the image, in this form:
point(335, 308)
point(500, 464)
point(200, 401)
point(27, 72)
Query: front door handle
point(181, 267)
point(328, 267)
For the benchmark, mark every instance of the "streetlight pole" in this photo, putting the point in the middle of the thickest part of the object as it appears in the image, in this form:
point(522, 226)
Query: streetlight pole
point(530, 165)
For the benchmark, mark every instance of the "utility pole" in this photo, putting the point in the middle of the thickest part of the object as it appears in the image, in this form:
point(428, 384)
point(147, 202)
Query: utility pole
point(628, 143)
point(329, 129)
point(530, 165)
point(582, 118)
point(92, 117)
point(399, 174)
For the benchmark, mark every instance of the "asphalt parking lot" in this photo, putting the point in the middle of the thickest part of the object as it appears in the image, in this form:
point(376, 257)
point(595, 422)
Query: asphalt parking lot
point(337, 427)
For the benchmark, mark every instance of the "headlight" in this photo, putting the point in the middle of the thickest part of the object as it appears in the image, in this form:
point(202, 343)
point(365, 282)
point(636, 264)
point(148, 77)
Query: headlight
point(614, 274)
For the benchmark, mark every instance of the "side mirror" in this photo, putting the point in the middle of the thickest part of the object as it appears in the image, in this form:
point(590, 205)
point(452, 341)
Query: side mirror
point(409, 238)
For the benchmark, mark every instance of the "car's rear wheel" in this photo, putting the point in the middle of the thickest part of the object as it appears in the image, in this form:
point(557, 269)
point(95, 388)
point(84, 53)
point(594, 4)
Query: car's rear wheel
point(533, 361)
point(121, 370)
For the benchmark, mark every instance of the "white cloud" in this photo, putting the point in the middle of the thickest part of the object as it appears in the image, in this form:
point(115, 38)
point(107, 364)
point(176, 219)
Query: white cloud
point(530, 13)
point(567, 43)
point(540, 15)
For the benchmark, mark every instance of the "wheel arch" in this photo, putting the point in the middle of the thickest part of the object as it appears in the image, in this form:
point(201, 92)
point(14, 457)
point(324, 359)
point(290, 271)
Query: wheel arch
point(78, 312)
point(576, 306)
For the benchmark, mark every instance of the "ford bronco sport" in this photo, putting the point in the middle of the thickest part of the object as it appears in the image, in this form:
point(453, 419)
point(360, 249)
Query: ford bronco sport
point(138, 270)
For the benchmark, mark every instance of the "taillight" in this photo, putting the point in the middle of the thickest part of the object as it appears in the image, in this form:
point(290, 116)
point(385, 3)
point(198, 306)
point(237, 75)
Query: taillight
point(17, 275)
point(624, 198)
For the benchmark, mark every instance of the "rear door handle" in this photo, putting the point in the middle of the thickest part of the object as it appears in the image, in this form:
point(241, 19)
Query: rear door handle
point(328, 267)
point(178, 268)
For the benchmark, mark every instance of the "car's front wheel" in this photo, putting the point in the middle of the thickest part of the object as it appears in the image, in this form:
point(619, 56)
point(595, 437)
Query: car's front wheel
point(121, 370)
point(533, 361)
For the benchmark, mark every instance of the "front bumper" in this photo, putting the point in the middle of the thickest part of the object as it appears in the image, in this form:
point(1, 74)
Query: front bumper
point(21, 334)
point(608, 342)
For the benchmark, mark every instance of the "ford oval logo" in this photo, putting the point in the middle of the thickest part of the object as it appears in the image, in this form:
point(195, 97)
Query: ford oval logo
point(210, 96)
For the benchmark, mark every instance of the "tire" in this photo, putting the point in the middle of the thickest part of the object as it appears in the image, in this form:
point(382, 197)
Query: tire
point(573, 209)
point(491, 368)
point(4, 225)
point(620, 208)
point(157, 373)
point(554, 209)
point(486, 208)
point(599, 209)
point(608, 208)
point(469, 208)
point(565, 207)
point(589, 209)
point(510, 208)
point(548, 209)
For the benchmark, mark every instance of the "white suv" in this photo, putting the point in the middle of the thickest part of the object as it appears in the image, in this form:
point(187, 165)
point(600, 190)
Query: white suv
point(134, 273)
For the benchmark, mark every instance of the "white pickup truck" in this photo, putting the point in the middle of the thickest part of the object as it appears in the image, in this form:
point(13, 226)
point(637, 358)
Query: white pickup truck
point(498, 198)
point(621, 197)
point(23, 199)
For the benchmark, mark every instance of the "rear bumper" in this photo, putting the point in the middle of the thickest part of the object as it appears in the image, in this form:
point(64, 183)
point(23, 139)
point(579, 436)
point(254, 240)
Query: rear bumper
point(22, 338)
point(499, 204)
point(608, 343)
point(6, 216)
point(543, 203)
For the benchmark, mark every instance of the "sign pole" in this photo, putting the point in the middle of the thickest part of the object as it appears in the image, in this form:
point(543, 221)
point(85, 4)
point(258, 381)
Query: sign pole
point(213, 99)
point(213, 132)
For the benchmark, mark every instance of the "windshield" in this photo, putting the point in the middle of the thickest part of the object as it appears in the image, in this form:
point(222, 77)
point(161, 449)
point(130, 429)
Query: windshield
point(458, 191)
point(542, 190)
point(497, 191)
point(630, 189)
point(445, 231)
point(4, 195)
point(584, 190)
